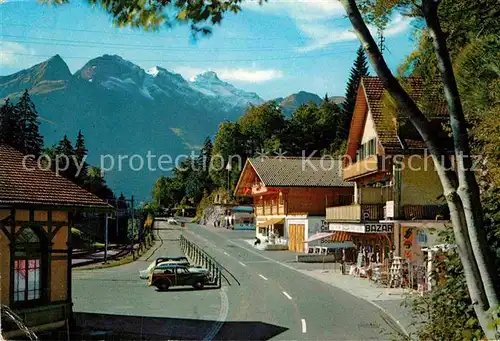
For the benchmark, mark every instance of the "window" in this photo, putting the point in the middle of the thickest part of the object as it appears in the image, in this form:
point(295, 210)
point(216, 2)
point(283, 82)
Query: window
point(366, 149)
point(182, 271)
point(29, 258)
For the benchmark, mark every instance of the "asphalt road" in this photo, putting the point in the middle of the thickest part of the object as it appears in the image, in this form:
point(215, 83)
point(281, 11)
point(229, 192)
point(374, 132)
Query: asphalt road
point(274, 301)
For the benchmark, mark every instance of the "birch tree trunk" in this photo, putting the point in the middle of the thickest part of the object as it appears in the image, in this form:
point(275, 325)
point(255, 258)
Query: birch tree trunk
point(468, 190)
point(465, 213)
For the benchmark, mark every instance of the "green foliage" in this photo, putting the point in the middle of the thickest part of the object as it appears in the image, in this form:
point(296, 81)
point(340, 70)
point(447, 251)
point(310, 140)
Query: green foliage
point(188, 182)
point(260, 125)
point(19, 126)
point(80, 153)
point(151, 14)
point(229, 147)
point(65, 148)
point(28, 115)
point(359, 69)
point(311, 129)
point(446, 313)
point(132, 229)
point(95, 183)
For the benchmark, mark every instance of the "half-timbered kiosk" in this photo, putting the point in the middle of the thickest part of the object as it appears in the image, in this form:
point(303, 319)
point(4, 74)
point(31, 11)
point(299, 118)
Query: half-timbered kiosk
point(36, 207)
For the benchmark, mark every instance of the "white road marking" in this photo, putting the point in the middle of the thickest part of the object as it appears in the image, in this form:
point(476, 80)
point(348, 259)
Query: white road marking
point(285, 293)
point(242, 264)
point(304, 327)
point(227, 254)
point(265, 279)
point(224, 310)
point(297, 270)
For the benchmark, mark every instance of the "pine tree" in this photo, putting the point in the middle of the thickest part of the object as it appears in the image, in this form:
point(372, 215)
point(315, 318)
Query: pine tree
point(359, 69)
point(26, 111)
point(64, 148)
point(80, 153)
point(11, 132)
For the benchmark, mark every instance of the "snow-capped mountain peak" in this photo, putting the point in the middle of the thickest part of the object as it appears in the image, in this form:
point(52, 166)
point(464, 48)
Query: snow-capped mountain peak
point(153, 71)
point(211, 85)
point(208, 76)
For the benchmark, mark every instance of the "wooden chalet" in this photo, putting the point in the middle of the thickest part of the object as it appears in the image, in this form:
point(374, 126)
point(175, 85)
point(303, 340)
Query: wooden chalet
point(397, 194)
point(290, 196)
point(36, 207)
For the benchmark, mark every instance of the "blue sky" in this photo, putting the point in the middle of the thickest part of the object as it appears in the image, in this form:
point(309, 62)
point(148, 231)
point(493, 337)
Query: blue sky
point(276, 49)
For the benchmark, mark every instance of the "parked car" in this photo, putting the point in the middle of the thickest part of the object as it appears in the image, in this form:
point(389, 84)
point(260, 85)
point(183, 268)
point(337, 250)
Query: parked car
point(167, 275)
point(172, 221)
point(181, 260)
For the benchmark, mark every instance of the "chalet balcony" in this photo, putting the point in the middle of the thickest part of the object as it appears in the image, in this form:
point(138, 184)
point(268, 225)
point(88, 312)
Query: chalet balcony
point(376, 212)
point(356, 212)
point(426, 212)
point(369, 165)
point(269, 210)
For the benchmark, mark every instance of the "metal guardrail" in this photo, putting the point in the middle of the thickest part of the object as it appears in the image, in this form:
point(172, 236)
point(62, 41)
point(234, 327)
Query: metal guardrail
point(200, 258)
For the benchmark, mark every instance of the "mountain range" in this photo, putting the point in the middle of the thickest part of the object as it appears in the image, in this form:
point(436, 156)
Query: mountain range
point(124, 110)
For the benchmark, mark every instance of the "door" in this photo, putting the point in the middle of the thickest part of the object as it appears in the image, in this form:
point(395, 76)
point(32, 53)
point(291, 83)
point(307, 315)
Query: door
point(291, 237)
point(296, 237)
point(181, 276)
point(300, 237)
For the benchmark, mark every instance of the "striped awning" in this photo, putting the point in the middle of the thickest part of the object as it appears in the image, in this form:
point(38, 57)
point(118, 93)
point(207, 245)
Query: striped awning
point(340, 237)
point(331, 236)
point(272, 221)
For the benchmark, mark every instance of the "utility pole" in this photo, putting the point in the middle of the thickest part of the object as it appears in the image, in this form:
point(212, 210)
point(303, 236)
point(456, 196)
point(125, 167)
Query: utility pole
point(132, 229)
point(229, 168)
point(106, 238)
point(117, 215)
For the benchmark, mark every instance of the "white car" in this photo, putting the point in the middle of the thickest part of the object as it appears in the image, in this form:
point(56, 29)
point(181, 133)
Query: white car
point(144, 274)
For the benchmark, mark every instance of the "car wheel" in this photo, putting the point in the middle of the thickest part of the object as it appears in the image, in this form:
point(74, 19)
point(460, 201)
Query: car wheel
point(198, 285)
point(163, 286)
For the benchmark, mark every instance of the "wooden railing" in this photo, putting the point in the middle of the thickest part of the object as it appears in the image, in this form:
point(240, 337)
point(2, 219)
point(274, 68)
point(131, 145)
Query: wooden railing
point(363, 212)
point(375, 195)
point(281, 209)
point(259, 210)
point(362, 167)
point(426, 212)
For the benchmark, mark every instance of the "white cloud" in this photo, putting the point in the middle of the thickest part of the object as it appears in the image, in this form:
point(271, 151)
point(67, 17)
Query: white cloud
point(235, 74)
point(321, 36)
point(306, 10)
point(11, 53)
point(9, 1)
point(249, 75)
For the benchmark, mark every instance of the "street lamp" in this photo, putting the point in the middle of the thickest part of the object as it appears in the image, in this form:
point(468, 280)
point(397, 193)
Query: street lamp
point(229, 168)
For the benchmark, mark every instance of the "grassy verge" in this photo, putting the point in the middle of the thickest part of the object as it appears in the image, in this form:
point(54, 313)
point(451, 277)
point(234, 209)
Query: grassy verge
point(117, 262)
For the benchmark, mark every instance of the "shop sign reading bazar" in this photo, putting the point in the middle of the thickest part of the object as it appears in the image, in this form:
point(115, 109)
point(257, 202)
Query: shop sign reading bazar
point(363, 228)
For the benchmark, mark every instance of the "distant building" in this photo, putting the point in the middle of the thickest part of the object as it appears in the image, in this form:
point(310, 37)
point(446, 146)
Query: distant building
point(242, 218)
point(35, 241)
point(290, 196)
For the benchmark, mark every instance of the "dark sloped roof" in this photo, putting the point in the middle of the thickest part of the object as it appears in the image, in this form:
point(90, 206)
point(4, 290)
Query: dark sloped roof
point(299, 172)
point(425, 95)
point(28, 184)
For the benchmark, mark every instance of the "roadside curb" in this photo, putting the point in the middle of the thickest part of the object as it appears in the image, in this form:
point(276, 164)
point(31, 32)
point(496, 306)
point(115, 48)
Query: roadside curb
point(123, 255)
